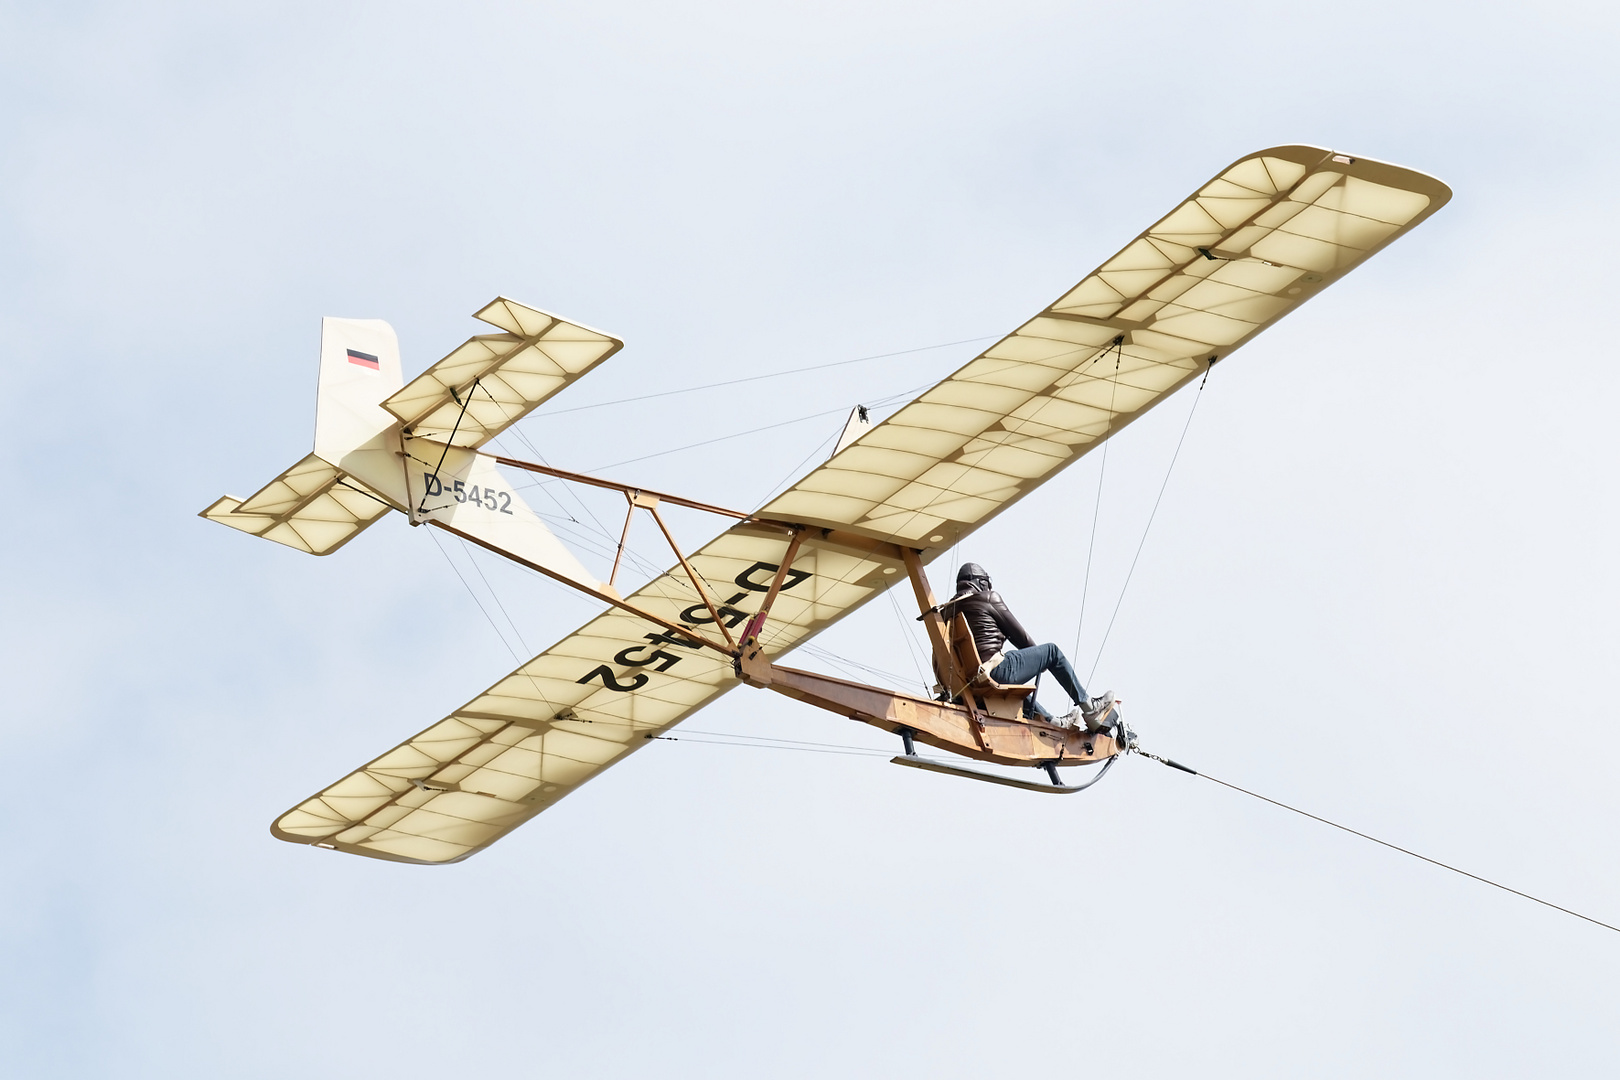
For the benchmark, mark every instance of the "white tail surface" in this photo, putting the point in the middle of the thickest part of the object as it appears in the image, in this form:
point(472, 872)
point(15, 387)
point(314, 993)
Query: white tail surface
point(310, 507)
point(363, 464)
point(463, 489)
point(359, 368)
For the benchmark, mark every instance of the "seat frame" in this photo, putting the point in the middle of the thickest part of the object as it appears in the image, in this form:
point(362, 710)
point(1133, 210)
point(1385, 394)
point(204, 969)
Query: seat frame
point(981, 692)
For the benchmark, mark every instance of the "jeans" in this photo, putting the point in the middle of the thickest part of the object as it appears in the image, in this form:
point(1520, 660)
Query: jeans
point(1027, 665)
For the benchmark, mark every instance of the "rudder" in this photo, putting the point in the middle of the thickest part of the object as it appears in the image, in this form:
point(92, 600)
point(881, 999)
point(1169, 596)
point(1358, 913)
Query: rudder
point(359, 368)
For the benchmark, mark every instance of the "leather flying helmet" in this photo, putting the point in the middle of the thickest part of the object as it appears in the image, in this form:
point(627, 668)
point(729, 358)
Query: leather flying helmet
point(972, 576)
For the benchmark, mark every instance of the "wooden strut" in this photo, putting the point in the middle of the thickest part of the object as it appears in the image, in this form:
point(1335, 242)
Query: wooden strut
point(593, 481)
point(697, 582)
point(757, 623)
point(629, 513)
point(649, 500)
point(963, 729)
point(955, 679)
point(611, 598)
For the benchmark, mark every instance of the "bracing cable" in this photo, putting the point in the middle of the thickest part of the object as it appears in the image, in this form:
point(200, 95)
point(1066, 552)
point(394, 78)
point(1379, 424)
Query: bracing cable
point(468, 548)
point(1096, 510)
point(911, 642)
point(769, 375)
point(1143, 542)
point(757, 430)
point(471, 592)
point(460, 416)
point(765, 742)
point(776, 488)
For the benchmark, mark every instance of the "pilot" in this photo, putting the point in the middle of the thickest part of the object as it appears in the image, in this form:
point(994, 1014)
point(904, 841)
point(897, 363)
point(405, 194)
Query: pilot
point(994, 629)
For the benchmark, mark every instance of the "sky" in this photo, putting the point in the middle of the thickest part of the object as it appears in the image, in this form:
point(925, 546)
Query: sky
point(1381, 584)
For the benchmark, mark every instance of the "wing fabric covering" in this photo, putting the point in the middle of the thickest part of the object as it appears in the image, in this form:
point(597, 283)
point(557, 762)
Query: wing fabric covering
point(499, 378)
point(582, 705)
point(312, 507)
point(1264, 236)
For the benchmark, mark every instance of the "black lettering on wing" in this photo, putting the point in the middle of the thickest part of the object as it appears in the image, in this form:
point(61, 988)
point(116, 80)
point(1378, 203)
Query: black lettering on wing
point(747, 578)
point(611, 681)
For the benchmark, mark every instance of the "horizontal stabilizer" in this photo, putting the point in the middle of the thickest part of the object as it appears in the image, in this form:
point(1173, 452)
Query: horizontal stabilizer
point(491, 381)
point(312, 507)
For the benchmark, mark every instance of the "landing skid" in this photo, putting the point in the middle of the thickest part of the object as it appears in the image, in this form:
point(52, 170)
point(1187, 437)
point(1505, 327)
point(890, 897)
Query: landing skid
point(1055, 787)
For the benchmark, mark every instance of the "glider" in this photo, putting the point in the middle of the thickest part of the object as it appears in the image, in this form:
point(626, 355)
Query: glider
point(1265, 235)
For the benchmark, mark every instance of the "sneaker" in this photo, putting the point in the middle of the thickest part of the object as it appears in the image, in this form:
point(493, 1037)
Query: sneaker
point(1098, 711)
point(1071, 719)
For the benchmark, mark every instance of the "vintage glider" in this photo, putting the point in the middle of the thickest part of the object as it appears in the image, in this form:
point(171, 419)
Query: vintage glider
point(1265, 235)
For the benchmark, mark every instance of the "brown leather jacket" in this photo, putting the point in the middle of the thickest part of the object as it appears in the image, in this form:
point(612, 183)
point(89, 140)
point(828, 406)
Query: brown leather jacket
point(991, 622)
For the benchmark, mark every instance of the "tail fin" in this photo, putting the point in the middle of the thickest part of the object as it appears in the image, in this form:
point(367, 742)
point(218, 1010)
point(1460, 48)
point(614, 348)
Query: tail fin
point(359, 368)
point(360, 470)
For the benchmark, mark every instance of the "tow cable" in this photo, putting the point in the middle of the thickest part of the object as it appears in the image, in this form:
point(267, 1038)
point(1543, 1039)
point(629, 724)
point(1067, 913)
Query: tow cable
point(1133, 748)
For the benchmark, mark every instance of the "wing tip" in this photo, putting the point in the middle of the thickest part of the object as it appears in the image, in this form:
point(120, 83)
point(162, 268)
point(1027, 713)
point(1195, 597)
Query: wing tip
point(504, 312)
point(329, 844)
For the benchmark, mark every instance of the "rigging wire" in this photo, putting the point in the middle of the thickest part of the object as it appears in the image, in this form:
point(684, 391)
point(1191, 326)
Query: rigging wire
point(493, 624)
point(911, 642)
point(591, 542)
point(770, 746)
point(776, 488)
point(478, 385)
point(1374, 839)
point(755, 431)
point(460, 416)
point(536, 451)
point(545, 485)
point(594, 536)
point(950, 487)
point(1143, 542)
point(776, 739)
point(771, 375)
point(522, 437)
point(852, 667)
point(600, 528)
point(540, 693)
point(495, 596)
point(1096, 509)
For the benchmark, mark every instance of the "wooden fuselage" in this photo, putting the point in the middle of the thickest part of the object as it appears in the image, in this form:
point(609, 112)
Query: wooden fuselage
point(959, 728)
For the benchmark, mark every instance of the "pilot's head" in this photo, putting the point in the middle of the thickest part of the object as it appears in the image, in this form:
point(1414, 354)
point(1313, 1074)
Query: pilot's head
point(972, 576)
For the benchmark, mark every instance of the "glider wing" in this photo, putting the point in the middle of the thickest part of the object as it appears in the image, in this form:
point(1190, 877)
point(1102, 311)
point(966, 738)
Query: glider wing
point(584, 704)
point(1268, 233)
